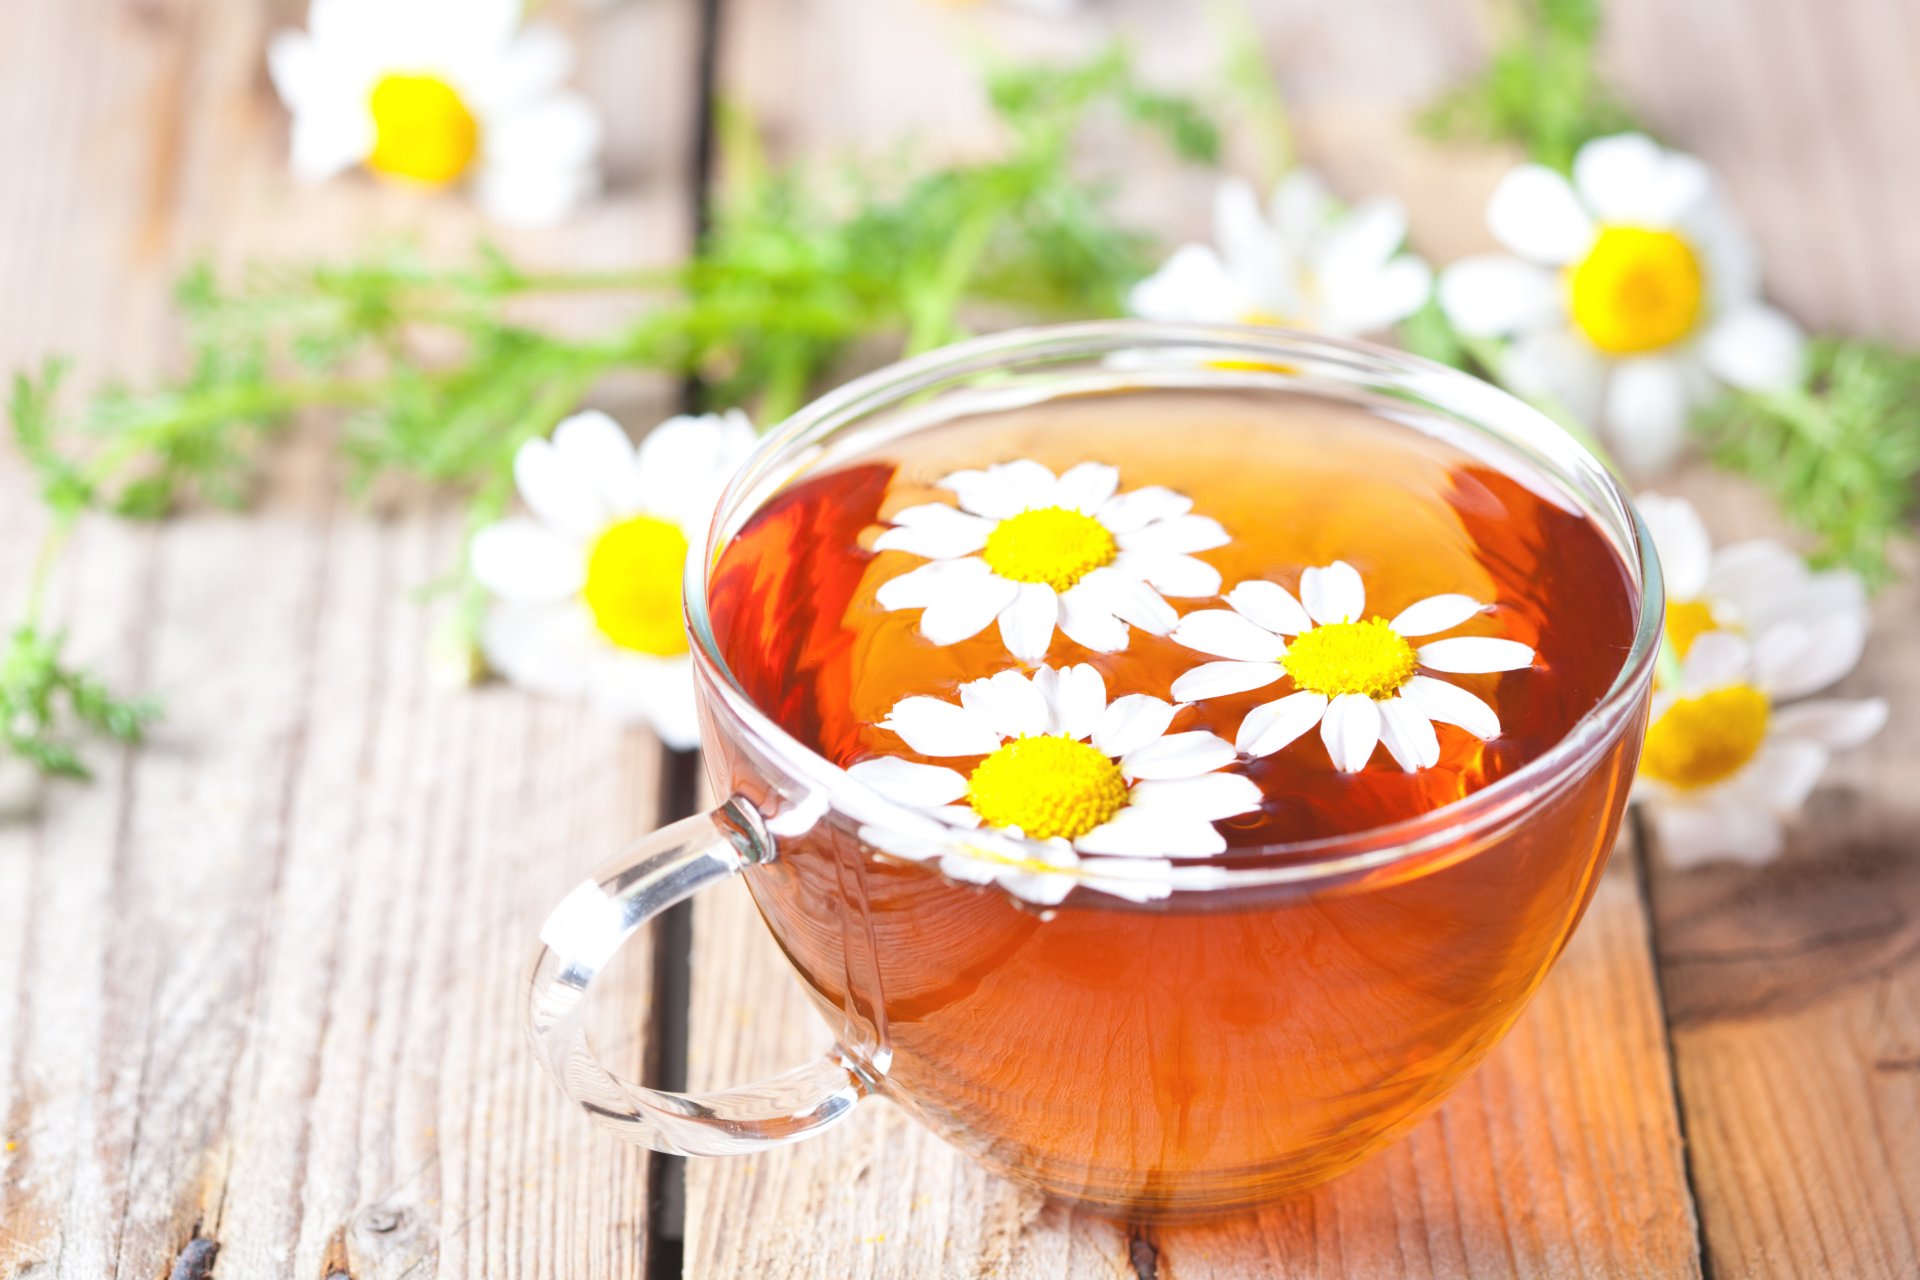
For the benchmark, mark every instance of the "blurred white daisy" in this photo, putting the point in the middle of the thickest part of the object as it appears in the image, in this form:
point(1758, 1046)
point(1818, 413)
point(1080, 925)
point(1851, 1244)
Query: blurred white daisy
point(1305, 264)
point(434, 92)
point(1634, 296)
point(1358, 678)
point(1725, 763)
point(1758, 589)
point(1037, 552)
point(588, 585)
point(1061, 772)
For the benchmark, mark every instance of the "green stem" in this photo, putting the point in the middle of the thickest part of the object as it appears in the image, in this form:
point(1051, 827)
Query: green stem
point(933, 308)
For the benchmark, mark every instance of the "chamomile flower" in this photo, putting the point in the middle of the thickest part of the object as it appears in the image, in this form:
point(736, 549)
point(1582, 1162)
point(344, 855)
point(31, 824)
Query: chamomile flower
point(1725, 762)
point(1360, 679)
point(1060, 772)
point(1305, 263)
point(434, 92)
point(1634, 295)
point(1034, 552)
point(588, 586)
point(1759, 589)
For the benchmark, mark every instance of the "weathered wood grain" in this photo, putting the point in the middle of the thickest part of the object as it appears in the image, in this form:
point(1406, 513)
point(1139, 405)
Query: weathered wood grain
point(1561, 1156)
point(260, 984)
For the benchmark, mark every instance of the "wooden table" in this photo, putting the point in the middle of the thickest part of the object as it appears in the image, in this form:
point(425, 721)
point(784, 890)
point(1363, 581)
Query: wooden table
point(260, 982)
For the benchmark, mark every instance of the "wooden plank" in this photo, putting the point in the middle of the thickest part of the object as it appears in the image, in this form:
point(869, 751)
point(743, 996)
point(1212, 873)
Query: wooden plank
point(260, 984)
point(1561, 1156)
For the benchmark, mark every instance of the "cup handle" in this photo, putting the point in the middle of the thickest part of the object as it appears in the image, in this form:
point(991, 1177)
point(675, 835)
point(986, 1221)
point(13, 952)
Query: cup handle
point(583, 933)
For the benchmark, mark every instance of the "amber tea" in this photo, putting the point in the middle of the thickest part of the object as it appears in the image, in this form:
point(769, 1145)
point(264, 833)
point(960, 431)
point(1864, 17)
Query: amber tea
point(1126, 646)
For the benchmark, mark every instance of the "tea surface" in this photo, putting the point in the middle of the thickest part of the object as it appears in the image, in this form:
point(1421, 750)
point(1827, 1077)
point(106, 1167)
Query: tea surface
point(1296, 483)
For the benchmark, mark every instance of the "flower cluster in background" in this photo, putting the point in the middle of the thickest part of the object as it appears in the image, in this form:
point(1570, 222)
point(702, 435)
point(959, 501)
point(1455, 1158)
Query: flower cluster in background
point(433, 93)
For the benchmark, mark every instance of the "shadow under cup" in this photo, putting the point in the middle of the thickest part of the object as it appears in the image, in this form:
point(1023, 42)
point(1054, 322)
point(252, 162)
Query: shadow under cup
point(1223, 1045)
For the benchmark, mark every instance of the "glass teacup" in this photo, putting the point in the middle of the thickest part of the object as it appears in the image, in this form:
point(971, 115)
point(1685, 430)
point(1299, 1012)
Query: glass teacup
point(1254, 1025)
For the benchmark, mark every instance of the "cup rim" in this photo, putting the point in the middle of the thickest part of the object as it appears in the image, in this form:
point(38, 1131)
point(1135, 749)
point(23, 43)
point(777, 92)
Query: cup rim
point(1313, 860)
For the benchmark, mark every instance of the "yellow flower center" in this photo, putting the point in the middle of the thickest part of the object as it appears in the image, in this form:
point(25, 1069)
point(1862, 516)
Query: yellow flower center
point(1351, 657)
point(633, 585)
point(1051, 545)
point(423, 132)
point(1637, 290)
point(1699, 741)
point(1687, 621)
point(1047, 786)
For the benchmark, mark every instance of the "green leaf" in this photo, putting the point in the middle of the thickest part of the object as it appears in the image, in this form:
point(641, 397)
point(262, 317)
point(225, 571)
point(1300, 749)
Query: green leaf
point(1840, 453)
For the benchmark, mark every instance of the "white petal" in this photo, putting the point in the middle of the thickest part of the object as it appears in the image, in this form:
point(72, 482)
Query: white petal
point(1076, 700)
point(533, 66)
point(1646, 413)
point(1363, 241)
point(1012, 705)
point(1137, 509)
point(563, 497)
point(551, 649)
point(1560, 367)
point(1193, 284)
point(918, 588)
point(1301, 205)
point(935, 728)
point(684, 463)
point(1493, 295)
point(1135, 879)
point(1087, 622)
point(1268, 728)
point(1129, 599)
point(1756, 349)
point(1434, 614)
point(1334, 593)
point(1031, 483)
point(922, 786)
point(1537, 215)
point(1248, 244)
point(593, 445)
point(1475, 655)
point(1219, 679)
point(1178, 755)
point(1351, 307)
point(1717, 659)
point(966, 611)
point(984, 494)
point(1832, 722)
point(521, 559)
point(1178, 534)
point(1225, 634)
point(1630, 179)
point(1173, 575)
point(1690, 834)
point(1271, 606)
point(1351, 730)
point(1783, 775)
point(1131, 722)
point(1026, 625)
point(1145, 833)
point(935, 530)
point(1085, 488)
point(1209, 797)
point(1680, 536)
point(1408, 735)
point(1795, 659)
point(656, 691)
point(561, 131)
point(1450, 704)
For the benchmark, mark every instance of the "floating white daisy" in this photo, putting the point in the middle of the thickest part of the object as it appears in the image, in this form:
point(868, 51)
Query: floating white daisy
point(1306, 264)
point(1035, 552)
point(1816, 623)
point(1358, 678)
point(1634, 294)
point(433, 92)
point(1725, 763)
point(589, 585)
point(1063, 772)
